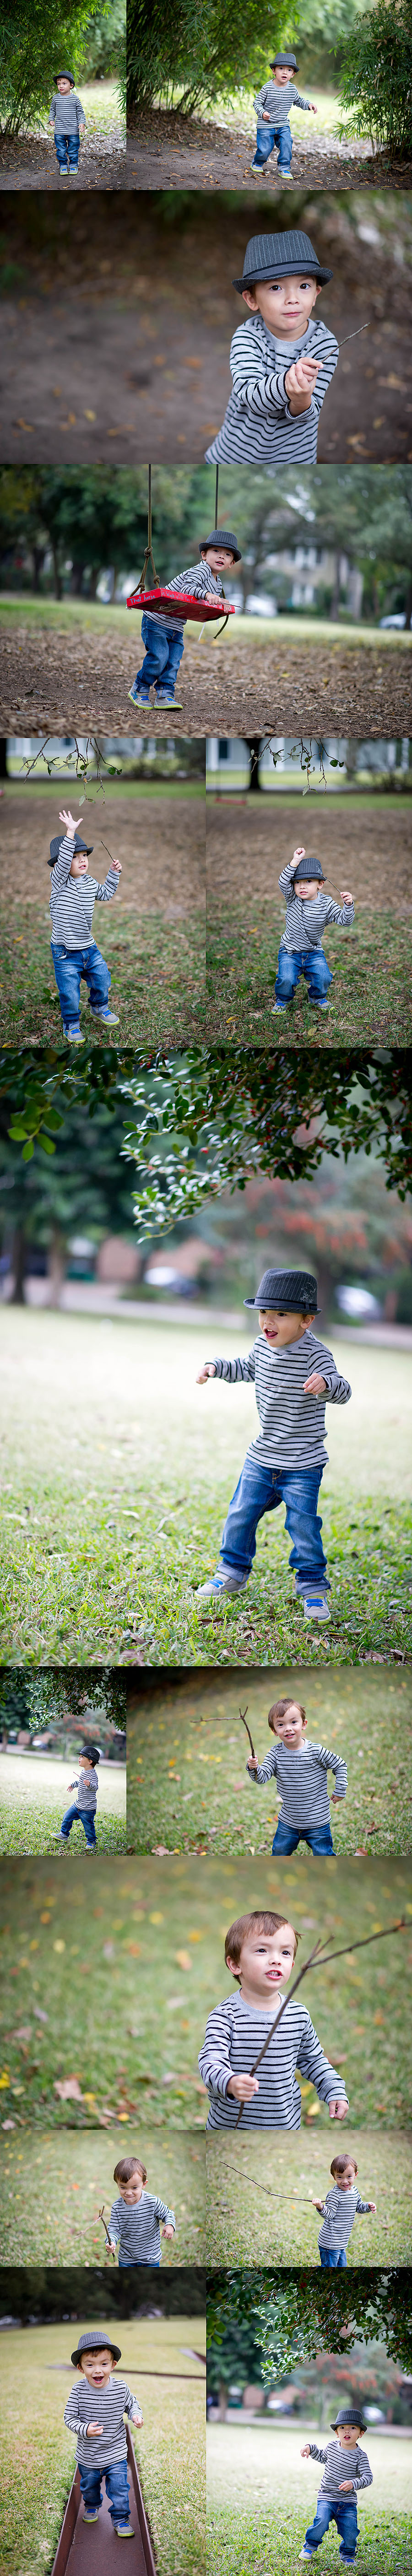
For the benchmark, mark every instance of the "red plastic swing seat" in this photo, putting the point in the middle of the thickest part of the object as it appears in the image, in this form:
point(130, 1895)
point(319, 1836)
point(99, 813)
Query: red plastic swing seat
point(175, 600)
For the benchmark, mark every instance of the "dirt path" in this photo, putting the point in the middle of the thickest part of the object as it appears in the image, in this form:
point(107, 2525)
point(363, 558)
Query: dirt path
point(33, 164)
point(172, 151)
point(124, 376)
point(80, 682)
point(161, 848)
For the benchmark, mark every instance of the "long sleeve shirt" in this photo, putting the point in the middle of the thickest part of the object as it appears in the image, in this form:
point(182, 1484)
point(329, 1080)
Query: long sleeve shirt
point(341, 2464)
point(105, 2406)
point(72, 900)
point(339, 2210)
point(277, 100)
point(292, 1432)
point(199, 582)
point(305, 921)
point(67, 114)
point(87, 1785)
point(259, 428)
point(235, 2032)
point(302, 1779)
point(136, 2229)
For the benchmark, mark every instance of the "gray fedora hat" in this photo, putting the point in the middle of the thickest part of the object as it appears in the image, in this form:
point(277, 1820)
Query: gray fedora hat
point(276, 255)
point(96, 2341)
point(221, 537)
point(55, 846)
point(350, 2415)
point(65, 76)
point(307, 868)
point(283, 63)
point(287, 1290)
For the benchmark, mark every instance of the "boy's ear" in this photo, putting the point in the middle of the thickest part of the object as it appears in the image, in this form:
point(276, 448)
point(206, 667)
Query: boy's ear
point(233, 1964)
point(249, 298)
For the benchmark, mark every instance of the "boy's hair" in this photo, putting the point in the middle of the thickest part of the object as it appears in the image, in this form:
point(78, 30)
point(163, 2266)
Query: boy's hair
point(129, 2165)
point(238, 1932)
point(339, 2164)
point(279, 1708)
point(92, 1751)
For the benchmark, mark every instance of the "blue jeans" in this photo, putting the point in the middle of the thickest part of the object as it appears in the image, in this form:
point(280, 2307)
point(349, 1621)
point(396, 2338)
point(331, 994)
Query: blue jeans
point(153, 2259)
point(319, 1837)
point(79, 1816)
point(266, 136)
point(117, 2488)
point(344, 2515)
point(67, 148)
point(313, 965)
point(69, 965)
point(164, 648)
point(333, 2262)
point(261, 1489)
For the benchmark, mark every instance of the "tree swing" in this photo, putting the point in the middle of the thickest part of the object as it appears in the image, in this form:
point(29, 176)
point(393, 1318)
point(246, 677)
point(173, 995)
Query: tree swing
point(174, 600)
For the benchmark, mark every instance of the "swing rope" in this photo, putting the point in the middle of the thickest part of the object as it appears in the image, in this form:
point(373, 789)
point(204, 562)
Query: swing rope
point(146, 581)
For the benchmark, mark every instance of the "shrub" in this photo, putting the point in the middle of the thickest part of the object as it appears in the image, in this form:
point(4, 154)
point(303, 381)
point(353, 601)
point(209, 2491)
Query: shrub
point(377, 79)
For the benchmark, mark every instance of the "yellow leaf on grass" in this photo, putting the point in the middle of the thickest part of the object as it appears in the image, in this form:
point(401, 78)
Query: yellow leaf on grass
point(182, 1958)
point(156, 1918)
point(59, 1945)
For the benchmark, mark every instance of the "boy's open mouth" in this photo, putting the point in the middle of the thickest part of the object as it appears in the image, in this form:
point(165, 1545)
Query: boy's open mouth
point(273, 1975)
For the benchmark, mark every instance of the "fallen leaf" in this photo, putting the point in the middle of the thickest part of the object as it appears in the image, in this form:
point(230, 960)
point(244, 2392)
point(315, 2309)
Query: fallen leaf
point(182, 1958)
point(69, 2091)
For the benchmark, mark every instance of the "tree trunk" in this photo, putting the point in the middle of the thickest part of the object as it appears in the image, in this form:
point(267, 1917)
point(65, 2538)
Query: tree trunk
point(38, 554)
point(3, 756)
point(253, 744)
point(335, 600)
point(57, 573)
point(76, 582)
point(19, 1264)
point(408, 602)
point(56, 1267)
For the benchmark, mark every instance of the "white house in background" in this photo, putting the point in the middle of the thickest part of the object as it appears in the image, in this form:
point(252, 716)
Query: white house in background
point(228, 761)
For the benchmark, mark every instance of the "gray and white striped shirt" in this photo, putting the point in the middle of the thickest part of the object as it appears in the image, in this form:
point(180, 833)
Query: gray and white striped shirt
point(277, 99)
point(302, 1779)
point(337, 2459)
point(72, 900)
point(235, 2032)
point(105, 2406)
point(259, 427)
point(292, 1432)
point(136, 2227)
point(340, 2208)
point(199, 582)
point(305, 921)
point(87, 1785)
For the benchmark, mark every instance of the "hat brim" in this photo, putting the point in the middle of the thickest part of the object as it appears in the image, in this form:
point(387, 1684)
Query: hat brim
point(273, 276)
point(354, 2428)
point(90, 2347)
point(279, 1307)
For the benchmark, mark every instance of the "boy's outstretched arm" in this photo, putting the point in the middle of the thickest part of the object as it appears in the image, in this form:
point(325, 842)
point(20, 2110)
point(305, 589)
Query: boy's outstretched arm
point(110, 886)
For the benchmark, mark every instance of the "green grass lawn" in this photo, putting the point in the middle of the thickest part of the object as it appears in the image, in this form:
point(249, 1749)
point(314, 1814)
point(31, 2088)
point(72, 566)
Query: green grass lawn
point(256, 2214)
point(38, 2455)
point(113, 1504)
point(262, 2496)
point(187, 1754)
point(369, 999)
point(112, 1986)
point(53, 2188)
point(34, 1795)
point(64, 614)
point(157, 982)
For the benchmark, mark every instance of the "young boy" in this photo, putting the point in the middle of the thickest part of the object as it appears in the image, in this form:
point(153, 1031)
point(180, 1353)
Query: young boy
point(259, 1951)
point(281, 360)
point(85, 1809)
point(73, 895)
point(134, 2223)
point(273, 105)
point(337, 2495)
point(68, 119)
point(338, 2209)
point(95, 2411)
point(307, 912)
point(293, 1375)
point(300, 1769)
point(163, 636)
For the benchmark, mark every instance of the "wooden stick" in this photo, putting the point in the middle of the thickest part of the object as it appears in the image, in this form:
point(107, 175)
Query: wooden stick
point(242, 1714)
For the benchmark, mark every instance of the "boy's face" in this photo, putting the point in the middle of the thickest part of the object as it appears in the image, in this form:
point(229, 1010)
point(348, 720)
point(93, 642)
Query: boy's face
point(97, 2366)
point(266, 1961)
point(285, 304)
point(348, 2435)
point(282, 75)
point(345, 2181)
point(308, 887)
point(279, 1329)
point(84, 1762)
point(64, 86)
point(218, 558)
point(80, 864)
point(291, 1727)
point(131, 2191)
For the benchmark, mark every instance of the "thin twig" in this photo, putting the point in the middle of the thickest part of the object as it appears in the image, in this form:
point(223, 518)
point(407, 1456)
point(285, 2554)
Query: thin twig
point(242, 1714)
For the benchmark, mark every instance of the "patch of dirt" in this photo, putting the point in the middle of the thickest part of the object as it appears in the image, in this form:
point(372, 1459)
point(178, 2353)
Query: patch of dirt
point(161, 848)
point(153, 375)
point(167, 150)
point(250, 838)
point(32, 163)
point(50, 680)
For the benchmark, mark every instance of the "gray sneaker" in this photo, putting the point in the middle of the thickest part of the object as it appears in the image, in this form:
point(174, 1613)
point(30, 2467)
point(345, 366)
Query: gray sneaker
point(221, 1583)
point(111, 1017)
point(314, 1602)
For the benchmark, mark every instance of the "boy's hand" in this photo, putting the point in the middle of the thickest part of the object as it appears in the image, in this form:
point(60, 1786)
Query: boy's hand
point(338, 2110)
point(305, 2453)
point(251, 1764)
point(265, 114)
point(208, 1370)
point(298, 854)
point(71, 826)
point(316, 2204)
point(137, 2417)
point(313, 109)
point(93, 2428)
point(373, 2207)
point(116, 863)
point(337, 1799)
point(168, 2231)
point(315, 1385)
point(344, 2484)
point(243, 2087)
point(345, 896)
point(300, 382)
